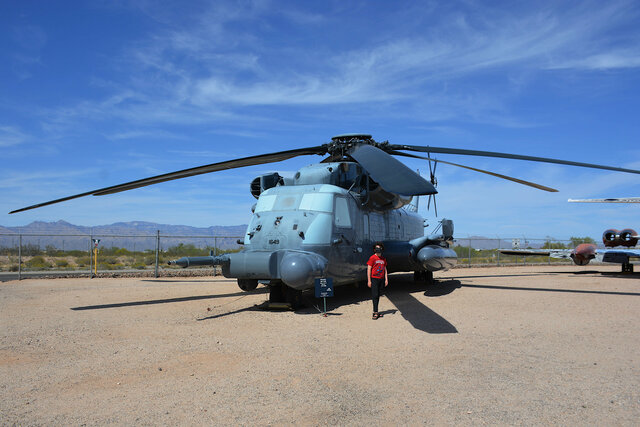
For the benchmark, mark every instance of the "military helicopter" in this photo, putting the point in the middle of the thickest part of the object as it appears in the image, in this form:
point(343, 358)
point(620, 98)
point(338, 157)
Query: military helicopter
point(323, 221)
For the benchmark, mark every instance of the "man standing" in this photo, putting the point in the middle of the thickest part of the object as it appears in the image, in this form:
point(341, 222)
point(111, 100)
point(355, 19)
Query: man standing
point(377, 277)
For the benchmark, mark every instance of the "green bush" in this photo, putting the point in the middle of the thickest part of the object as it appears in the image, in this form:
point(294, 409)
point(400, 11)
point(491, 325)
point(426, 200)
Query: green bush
point(38, 262)
point(82, 261)
point(62, 263)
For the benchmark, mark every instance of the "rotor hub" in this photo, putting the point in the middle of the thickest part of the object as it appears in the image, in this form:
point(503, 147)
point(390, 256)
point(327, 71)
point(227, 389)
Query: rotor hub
point(340, 144)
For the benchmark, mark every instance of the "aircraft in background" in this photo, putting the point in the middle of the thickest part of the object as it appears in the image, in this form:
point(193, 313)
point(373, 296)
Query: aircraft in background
point(612, 238)
point(586, 252)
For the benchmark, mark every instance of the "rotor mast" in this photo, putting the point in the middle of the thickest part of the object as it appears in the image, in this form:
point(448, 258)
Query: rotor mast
point(340, 145)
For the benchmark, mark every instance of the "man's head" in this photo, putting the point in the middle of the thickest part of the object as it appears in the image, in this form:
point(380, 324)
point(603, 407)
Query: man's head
point(378, 247)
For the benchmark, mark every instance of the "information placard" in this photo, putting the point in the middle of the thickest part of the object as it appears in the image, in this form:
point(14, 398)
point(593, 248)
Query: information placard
point(324, 287)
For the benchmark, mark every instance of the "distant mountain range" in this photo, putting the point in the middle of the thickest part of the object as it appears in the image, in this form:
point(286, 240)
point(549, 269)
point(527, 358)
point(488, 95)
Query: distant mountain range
point(197, 236)
point(60, 234)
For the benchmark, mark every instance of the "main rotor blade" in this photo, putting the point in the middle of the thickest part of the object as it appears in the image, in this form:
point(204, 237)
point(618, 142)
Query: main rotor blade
point(509, 178)
point(444, 150)
point(214, 167)
point(390, 173)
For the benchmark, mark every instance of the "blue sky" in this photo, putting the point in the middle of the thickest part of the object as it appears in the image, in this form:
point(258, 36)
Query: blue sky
point(97, 93)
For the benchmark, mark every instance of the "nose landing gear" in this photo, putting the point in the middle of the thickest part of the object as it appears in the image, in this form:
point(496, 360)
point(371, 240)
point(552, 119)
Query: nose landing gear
point(282, 297)
point(425, 277)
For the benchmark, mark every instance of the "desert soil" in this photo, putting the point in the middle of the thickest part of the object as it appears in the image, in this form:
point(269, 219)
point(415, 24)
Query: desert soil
point(534, 345)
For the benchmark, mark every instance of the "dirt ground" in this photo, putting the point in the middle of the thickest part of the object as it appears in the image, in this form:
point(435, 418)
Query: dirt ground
point(534, 345)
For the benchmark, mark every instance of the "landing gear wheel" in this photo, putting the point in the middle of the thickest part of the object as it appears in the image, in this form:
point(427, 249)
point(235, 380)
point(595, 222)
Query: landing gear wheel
point(276, 293)
point(293, 297)
point(283, 294)
point(247, 284)
point(423, 277)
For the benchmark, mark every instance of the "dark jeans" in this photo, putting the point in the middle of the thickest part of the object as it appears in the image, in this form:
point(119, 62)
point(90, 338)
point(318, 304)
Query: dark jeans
point(377, 286)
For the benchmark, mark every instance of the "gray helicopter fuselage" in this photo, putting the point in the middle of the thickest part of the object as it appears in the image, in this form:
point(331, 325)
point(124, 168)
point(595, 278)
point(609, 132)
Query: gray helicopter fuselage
point(301, 232)
point(323, 222)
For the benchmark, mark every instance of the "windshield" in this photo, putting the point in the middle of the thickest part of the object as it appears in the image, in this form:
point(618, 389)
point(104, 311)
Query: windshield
point(317, 202)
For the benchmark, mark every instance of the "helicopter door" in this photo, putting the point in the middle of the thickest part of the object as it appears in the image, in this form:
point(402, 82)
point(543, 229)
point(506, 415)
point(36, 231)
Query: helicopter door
point(343, 229)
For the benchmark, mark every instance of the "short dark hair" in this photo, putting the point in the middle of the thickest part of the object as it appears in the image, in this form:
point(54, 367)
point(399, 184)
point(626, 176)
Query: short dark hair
point(378, 244)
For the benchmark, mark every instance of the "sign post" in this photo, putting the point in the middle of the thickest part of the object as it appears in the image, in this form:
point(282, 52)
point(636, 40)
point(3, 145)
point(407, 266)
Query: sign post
point(95, 257)
point(324, 289)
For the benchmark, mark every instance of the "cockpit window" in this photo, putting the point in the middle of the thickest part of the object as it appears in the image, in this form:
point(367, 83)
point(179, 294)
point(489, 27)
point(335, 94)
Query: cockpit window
point(265, 203)
point(286, 202)
point(342, 218)
point(317, 202)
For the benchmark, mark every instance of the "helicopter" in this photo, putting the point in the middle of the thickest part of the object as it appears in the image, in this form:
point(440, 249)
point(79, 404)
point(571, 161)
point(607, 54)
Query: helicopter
point(323, 221)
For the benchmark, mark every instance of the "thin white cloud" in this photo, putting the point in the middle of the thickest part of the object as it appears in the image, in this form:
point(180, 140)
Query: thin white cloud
point(627, 58)
point(10, 136)
point(24, 182)
point(136, 134)
point(208, 68)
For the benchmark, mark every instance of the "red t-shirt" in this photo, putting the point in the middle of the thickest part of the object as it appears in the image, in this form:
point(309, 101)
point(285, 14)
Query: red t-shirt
point(378, 266)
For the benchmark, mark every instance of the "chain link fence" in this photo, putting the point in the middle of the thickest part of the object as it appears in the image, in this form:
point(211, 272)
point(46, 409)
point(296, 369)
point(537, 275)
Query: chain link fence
point(482, 251)
point(105, 253)
point(76, 253)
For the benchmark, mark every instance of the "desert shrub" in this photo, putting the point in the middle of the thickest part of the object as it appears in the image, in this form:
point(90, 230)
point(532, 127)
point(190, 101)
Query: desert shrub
point(38, 261)
point(13, 267)
point(82, 261)
point(76, 253)
point(62, 263)
point(107, 260)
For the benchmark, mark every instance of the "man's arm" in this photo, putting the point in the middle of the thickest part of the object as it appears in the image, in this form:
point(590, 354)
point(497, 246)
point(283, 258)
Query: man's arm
point(368, 275)
point(386, 276)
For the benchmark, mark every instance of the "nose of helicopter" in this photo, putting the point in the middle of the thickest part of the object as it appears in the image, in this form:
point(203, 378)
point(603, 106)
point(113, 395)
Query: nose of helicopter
point(299, 269)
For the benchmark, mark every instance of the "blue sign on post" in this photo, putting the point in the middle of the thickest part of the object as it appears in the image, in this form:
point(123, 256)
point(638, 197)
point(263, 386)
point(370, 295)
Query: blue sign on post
point(324, 287)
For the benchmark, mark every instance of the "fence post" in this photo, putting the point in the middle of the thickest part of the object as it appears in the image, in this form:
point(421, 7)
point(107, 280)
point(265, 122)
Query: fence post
point(157, 250)
point(215, 249)
point(20, 256)
point(469, 253)
point(499, 249)
point(91, 256)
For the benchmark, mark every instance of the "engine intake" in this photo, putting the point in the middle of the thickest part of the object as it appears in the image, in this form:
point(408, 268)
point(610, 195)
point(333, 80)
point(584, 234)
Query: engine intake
point(610, 238)
point(265, 182)
point(627, 237)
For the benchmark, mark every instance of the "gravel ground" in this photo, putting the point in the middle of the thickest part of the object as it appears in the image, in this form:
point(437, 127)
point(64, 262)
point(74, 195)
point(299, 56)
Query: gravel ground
point(535, 345)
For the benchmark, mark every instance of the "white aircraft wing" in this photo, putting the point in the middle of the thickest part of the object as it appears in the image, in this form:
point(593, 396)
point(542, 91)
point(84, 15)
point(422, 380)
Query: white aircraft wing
point(582, 257)
point(553, 253)
point(610, 200)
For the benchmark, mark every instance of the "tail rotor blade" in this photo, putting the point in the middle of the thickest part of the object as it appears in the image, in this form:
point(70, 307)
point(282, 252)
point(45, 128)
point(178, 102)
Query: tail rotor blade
point(435, 207)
